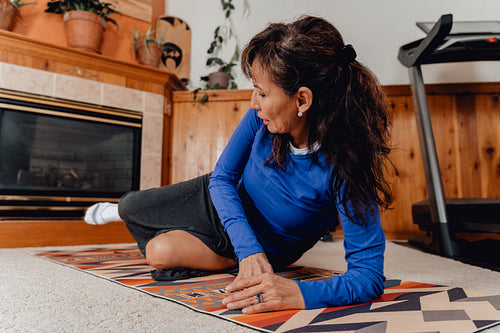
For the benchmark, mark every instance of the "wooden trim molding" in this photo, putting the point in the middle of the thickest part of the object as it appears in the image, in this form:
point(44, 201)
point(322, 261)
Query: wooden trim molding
point(391, 90)
point(447, 88)
point(221, 95)
point(158, 9)
point(60, 233)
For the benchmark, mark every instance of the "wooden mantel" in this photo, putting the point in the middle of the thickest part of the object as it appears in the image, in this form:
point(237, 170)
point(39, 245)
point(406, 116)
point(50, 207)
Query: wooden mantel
point(24, 51)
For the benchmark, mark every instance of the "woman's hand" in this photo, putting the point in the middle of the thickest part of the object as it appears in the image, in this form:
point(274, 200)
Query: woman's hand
point(253, 265)
point(263, 292)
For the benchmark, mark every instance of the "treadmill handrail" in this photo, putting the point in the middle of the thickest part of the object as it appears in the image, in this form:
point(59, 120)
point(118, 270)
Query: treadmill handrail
point(416, 53)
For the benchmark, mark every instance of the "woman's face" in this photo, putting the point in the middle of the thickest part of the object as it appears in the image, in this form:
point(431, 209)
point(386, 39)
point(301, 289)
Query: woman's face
point(279, 111)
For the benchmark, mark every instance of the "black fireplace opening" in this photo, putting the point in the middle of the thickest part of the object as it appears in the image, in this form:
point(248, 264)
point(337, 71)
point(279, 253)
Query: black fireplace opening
point(59, 157)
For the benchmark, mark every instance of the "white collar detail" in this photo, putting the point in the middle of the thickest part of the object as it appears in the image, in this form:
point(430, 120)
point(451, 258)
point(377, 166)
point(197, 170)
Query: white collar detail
point(303, 151)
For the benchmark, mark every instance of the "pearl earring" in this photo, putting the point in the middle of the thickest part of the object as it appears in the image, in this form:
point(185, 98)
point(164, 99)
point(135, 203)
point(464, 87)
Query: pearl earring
point(300, 114)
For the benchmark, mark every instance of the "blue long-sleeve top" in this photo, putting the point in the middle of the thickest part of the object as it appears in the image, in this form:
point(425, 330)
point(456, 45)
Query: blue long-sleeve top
point(284, 213)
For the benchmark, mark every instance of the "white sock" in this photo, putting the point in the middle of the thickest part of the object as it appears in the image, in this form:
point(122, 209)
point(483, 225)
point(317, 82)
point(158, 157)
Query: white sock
point(102, 213)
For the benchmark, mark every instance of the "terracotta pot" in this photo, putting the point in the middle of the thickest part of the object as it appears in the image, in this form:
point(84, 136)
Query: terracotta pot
point(149, 56)
point(84, 30)
point(218, 77)
point(8, 12)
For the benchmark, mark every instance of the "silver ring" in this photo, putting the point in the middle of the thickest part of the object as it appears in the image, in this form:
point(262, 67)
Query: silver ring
point(259, 298)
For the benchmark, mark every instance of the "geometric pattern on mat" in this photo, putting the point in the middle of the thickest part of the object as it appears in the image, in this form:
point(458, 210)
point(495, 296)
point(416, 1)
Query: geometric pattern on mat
point(404, 307)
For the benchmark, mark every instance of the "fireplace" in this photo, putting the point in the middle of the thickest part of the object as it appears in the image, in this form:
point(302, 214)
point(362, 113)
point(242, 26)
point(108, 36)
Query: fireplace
point(57, 157)
point(58, 73)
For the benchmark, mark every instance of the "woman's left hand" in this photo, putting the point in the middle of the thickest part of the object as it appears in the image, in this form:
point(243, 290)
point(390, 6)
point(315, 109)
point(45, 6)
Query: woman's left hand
point(276, 293)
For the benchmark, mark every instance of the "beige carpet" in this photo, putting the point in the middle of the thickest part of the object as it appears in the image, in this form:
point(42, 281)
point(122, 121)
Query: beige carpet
point(41, 296)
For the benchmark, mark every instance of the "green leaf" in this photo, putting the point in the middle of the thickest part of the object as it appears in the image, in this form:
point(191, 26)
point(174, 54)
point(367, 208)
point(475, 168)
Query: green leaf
point(212, 47)
point(204, 99)
point(217, 60)
point(112, 21)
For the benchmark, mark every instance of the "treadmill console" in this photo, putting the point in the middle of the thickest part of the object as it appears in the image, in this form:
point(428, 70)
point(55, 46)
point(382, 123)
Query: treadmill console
point(449, 41)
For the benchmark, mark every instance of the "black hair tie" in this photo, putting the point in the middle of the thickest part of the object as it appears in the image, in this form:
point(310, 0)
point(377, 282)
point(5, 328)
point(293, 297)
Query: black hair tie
point(346, 55)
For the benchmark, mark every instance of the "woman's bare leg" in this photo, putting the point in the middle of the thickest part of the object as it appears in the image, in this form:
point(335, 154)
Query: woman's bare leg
point(178, 248)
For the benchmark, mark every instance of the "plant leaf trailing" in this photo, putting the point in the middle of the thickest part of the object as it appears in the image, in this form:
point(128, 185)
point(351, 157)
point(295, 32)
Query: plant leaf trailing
point(102, 9)
point(216, 45)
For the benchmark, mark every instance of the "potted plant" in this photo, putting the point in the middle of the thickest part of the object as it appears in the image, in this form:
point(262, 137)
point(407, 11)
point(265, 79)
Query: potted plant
point(84, 21)
point(8, 11)
point(222, 77)
point(224, 71)
point(148, 48)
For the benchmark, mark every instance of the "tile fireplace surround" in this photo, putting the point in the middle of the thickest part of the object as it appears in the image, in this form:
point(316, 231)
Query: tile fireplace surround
point(48, 84)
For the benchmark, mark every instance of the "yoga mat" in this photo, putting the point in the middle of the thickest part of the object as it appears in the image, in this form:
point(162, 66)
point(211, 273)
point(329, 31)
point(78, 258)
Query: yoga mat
point(405, 306)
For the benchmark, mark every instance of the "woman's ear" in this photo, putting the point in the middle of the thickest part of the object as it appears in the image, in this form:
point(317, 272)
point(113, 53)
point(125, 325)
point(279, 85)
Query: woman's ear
point(304, 99)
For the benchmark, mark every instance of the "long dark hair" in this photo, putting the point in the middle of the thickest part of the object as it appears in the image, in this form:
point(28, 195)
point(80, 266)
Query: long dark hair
point(349, 116)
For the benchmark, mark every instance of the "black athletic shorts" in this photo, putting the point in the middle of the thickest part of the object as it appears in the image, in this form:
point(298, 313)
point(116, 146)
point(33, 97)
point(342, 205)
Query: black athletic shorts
point(184, 206)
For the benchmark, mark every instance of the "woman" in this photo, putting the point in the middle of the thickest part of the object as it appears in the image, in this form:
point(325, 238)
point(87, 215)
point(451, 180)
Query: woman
point(311, 149)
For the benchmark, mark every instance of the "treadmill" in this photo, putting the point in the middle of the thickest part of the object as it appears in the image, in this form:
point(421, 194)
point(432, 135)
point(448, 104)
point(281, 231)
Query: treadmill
point(441, 217)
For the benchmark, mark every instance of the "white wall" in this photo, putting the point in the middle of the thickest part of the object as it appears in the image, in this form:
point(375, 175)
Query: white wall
point(376, 29)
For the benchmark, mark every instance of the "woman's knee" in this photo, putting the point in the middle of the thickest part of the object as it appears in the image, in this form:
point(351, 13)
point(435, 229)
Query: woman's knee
point(178, 248)
point(160, 254)
point(128, 205)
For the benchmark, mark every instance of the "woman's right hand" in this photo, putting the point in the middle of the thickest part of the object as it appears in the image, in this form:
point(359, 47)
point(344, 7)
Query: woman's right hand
point(258, 289)
point(252, 265)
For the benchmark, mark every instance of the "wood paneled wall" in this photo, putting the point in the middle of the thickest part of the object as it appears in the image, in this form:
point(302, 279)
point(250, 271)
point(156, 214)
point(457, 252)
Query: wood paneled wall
point(200, 132)
point(466, 123)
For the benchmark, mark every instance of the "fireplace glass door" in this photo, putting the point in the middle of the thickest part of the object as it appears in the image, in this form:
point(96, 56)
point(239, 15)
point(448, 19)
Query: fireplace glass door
point(50, 151)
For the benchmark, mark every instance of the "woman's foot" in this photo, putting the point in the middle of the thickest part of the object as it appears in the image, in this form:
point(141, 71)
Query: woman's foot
point(102, 213)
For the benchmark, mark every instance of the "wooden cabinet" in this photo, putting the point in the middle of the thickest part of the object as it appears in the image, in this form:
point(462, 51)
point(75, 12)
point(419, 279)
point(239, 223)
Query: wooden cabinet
point(200, 132)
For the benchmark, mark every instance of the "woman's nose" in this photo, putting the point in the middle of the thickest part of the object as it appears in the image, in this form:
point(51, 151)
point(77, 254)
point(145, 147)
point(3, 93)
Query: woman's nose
point(253, 101)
